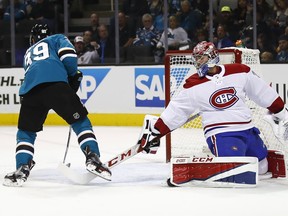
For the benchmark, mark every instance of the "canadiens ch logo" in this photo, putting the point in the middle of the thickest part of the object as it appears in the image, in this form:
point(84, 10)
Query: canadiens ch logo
point(224, 98)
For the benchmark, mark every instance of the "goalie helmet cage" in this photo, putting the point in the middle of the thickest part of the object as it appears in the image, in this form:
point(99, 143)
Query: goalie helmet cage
point(189, 139)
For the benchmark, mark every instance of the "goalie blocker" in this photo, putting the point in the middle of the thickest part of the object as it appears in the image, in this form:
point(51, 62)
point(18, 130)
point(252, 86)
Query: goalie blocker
point(223, 171)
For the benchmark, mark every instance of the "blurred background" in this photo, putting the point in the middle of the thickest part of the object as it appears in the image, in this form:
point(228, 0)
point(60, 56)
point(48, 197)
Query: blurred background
point(131, 32)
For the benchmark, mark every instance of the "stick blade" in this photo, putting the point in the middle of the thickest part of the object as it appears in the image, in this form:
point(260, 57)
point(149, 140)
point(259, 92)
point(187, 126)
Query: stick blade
point(73, 176)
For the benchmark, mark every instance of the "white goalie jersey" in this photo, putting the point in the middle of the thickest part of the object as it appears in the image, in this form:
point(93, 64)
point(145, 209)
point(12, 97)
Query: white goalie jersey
point(226, 92)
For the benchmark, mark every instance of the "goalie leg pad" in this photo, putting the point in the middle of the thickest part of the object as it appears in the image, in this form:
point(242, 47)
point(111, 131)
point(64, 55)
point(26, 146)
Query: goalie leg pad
point(214, 171)
point(276, 164)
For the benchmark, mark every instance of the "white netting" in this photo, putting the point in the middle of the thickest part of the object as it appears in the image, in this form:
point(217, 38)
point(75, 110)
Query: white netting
point(189, 140)
point(248, 56)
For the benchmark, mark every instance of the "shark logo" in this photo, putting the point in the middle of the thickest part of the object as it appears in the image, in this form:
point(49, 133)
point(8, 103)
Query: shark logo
point(92, 78)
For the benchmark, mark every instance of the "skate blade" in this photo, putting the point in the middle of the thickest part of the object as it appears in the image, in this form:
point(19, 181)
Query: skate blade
point(104, 174)
point(9, 183)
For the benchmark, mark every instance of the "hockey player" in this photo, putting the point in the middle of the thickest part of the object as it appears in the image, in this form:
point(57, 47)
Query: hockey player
point(218, 92)
point(51, 82)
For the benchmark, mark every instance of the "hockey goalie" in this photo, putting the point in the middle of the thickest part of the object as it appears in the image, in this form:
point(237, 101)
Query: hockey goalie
point(219, 92)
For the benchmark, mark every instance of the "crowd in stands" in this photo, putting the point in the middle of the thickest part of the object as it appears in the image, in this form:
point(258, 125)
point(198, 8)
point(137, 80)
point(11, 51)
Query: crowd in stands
point(141, 27)
point(41, 10)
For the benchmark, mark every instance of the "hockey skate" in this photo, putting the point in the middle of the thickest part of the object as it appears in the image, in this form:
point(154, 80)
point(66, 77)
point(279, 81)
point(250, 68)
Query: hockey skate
point(17, 178)
point(95, 166)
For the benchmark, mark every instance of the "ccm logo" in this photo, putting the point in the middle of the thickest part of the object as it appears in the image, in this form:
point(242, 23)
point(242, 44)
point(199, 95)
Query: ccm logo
point(202, 159)
point(120, 158)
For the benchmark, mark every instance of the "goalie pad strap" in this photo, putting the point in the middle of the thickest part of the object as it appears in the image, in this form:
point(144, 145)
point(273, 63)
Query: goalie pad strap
point(215, 171)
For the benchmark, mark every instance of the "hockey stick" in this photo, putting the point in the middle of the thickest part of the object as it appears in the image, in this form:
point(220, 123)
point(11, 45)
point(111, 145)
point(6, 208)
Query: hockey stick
point(85, 178)
point(67, 145)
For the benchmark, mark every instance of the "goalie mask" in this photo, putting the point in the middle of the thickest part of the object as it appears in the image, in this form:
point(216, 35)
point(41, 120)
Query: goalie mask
point(38, 32)
point(204, 56)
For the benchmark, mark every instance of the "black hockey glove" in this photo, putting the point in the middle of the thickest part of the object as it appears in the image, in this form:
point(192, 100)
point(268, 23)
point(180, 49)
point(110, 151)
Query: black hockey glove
point(74, 81)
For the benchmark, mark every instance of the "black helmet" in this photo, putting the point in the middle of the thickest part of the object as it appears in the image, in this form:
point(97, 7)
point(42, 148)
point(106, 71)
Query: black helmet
point(38, 32)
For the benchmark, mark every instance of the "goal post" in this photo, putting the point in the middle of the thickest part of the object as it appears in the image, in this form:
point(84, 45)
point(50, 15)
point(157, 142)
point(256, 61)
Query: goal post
point(189, 139)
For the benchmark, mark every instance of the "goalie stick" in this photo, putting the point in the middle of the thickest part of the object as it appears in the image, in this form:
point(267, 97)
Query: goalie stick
point(85, 178)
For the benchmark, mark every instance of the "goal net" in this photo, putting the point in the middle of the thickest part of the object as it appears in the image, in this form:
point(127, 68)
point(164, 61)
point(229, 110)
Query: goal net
point(189, 139)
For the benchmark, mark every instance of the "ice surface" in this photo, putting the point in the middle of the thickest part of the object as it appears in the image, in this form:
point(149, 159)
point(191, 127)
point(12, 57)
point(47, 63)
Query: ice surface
point(137, 188)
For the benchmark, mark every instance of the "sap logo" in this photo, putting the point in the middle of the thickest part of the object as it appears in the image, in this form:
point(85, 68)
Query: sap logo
point(201, 159)
point(92, 78)
point(149, 87)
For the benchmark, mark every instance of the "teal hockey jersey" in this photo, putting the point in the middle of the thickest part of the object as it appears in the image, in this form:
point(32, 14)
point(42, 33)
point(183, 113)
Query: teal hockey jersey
point(51, 59)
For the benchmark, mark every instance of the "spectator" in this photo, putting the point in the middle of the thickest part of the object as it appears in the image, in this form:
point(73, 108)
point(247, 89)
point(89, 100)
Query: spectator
point(28, 6)
point(2, 9)
point(43, 10)
point(222, 39)
point(262, 26)
point(226, 18)
point(190, 19)
point(159, 21)
point(155, 7)
point(19, 11)
point(201, 35)
point(177, 36)
point(174, 7)
point(264, 44)
point(201, 6)
point(266, 9)
point(126, 31)
point(87, 37)
point(246, 36)
point(105, 45)
point(148, 36)
point(282, 55)
point(286, 31)
point(266, 57)
point(76, 9)
point(135, 9)
point(241, 12)
point(94, 24)
point(84, 56)
point(279, 21)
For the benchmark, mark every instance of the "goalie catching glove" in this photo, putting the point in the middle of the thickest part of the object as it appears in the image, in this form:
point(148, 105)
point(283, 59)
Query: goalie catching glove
point(74, 81)
point(150, 137)
point(281, 119)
